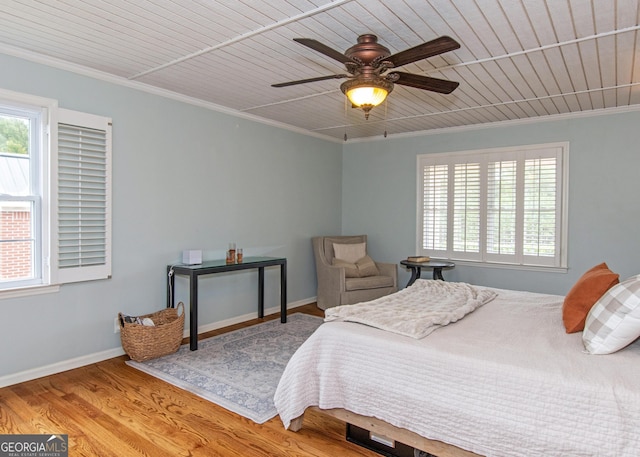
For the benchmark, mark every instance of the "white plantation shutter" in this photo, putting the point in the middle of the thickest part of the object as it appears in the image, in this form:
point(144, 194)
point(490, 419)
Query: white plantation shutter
point(503, 205)
point(501, 208)
point(541, 209)
point(466, 209)
point(434, 207)
point(83, 197)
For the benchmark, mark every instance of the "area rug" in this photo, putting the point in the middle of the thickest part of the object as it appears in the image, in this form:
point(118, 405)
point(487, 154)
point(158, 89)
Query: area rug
point(239, 370)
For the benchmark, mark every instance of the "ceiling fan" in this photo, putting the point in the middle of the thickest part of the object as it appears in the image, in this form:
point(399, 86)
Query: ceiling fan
point(368, 63)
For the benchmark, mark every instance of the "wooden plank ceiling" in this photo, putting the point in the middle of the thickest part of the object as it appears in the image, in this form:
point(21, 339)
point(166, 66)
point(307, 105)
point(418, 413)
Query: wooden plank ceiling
point(518, 58)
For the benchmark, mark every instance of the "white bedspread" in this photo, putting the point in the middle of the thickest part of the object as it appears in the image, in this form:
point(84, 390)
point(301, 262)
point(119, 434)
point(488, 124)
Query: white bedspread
point(417, 310)
point(504, 381)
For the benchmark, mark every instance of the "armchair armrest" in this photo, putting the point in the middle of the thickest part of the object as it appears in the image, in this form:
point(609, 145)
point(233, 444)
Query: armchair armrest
point(331, 279)
point(331, 276)
point(389, 269)
point(331, 284)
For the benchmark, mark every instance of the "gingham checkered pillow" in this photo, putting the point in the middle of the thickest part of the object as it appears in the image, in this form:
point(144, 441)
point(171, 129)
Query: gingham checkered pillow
point(614, 320)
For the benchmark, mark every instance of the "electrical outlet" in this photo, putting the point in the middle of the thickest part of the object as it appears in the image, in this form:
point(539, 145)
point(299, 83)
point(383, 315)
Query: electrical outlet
point(116, 325)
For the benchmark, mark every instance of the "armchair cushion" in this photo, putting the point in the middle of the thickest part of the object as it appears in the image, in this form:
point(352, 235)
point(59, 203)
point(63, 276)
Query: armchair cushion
point(350, 253)
point(367, 267)
point(370, 282)
point(350, 269)
point(360, 269)
point(326, 244)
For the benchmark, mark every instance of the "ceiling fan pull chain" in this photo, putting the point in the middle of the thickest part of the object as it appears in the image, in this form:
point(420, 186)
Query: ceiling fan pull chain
point(345, 119)
point(386, 110)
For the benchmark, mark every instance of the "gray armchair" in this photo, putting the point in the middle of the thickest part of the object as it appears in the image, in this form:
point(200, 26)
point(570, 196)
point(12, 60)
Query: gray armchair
point(335, 288)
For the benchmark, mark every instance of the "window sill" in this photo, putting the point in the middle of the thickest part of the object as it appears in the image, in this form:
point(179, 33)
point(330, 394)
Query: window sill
point(508, 266)
point(28, 291)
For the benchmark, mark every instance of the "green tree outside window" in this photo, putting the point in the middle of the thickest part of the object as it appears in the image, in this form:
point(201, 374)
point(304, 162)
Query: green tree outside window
point(14, 135)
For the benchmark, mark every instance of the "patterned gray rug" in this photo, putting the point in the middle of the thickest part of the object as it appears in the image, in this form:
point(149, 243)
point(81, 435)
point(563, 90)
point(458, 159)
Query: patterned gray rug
point(239, 370)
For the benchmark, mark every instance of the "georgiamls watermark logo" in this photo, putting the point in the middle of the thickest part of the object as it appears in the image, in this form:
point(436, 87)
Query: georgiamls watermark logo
point(34, 446)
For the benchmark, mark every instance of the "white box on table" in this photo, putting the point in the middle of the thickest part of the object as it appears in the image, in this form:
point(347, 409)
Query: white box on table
point(192, 257)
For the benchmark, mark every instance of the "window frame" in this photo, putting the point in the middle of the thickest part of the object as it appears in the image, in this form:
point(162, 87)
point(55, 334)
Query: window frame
point(485, 156)
point(40, 159)
point(46, 227)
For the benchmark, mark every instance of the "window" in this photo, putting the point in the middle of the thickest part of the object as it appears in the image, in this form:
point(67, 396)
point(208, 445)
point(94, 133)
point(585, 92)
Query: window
point(54, 194)
point(21, 132)
point(501, 205)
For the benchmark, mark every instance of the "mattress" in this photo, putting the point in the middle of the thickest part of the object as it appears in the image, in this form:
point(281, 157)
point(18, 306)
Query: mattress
point(506, 380)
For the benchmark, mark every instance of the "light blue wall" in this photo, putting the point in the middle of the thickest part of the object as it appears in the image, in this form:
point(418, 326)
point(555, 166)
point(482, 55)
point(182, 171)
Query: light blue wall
point(184, 178)
point(379, 195)
point(187, 177)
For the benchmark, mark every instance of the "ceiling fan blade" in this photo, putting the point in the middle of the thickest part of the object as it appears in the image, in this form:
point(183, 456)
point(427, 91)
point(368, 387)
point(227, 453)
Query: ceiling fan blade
point(323, 49)
point(424, 50)
point(441, 86)
point(310, 80)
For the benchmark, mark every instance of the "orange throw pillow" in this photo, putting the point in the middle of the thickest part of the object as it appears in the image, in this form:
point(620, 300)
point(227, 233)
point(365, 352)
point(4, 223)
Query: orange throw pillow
point(590, 287)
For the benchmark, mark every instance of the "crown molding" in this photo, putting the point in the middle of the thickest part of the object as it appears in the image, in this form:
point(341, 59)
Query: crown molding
point(507, 123)
point(118, 80)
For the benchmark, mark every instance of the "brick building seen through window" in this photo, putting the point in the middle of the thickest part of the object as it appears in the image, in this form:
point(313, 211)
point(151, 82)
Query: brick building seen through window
point(16, 238)
point(15, 258)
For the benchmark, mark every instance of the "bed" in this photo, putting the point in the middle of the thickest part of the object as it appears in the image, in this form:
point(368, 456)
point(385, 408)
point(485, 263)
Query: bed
point(505, 380)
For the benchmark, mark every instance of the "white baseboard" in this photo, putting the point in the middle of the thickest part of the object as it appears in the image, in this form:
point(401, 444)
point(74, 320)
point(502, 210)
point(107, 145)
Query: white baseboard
point(247, 317)
point(59, 367)
point(88, 359)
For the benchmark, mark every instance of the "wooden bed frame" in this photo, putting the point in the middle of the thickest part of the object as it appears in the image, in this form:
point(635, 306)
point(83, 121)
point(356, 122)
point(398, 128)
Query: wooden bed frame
point(400, 435)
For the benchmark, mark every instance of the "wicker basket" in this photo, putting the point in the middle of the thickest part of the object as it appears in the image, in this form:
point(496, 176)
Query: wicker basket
point(143, 342)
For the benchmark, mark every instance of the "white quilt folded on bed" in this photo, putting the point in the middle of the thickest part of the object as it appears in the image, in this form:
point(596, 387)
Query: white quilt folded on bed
point(417, 310)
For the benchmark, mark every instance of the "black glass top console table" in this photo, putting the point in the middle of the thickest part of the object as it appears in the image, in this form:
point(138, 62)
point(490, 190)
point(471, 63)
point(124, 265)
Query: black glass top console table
point(221, 266)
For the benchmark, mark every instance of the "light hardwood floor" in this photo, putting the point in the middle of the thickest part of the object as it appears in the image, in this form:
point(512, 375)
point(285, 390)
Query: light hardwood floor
point(111, 409)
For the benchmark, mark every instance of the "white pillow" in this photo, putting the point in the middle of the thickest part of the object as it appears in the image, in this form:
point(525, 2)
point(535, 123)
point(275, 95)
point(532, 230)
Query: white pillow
point(349, 252)
point(614, 320)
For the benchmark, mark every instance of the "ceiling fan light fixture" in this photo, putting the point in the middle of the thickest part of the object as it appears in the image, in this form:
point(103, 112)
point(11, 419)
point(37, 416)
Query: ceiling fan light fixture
point(368, 61)
point(366, 94)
